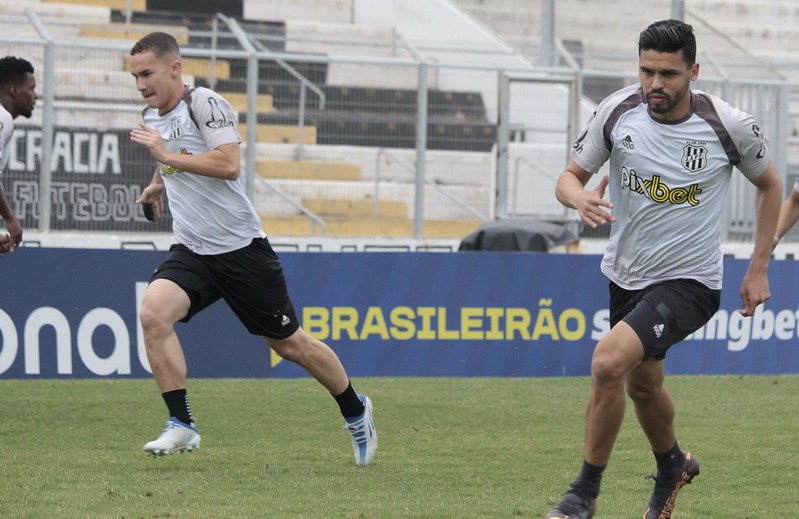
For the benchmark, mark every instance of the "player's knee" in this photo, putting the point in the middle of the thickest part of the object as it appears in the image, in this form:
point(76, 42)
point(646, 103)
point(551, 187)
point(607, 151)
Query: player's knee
point(152, 321)
point(290, 349)
point(642, 392)
point(606, 370)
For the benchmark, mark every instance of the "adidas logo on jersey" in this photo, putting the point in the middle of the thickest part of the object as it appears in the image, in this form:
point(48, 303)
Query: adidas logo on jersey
point(285, 321)
point(627, 143)
point(658, 330)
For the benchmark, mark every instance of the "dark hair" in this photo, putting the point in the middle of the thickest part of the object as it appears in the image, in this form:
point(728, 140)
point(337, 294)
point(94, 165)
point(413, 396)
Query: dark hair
point(160, 43)
point(14, 71)
point(669, 36)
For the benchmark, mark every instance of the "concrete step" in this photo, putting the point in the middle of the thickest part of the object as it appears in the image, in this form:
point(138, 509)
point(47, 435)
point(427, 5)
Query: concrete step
point(438, 205)
point(356, 208)
point(305, 170)
point(367, 227)
point(238, 100)
point(746, 12)
point(133, 31)
point(135, 5)
point(284, 133)
point(335, 11)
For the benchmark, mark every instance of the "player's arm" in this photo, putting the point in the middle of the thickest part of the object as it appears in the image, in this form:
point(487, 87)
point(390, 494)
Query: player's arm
point(789, 214)
point(223, 162)
point(754, 287)
point(11, 223)
point(570, 191)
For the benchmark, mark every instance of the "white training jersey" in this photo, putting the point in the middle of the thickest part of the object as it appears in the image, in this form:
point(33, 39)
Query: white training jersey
point(668, 184)
point(210, 215)
point(6, 130)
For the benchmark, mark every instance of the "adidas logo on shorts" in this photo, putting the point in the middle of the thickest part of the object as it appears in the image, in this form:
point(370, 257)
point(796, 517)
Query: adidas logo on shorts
point(658, 330)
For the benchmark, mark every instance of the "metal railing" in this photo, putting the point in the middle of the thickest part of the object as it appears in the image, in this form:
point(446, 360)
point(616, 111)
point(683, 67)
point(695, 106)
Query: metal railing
point(422, 70)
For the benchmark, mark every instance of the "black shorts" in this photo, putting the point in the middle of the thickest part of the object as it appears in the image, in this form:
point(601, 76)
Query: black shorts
point(249, 279)
point(665, 313)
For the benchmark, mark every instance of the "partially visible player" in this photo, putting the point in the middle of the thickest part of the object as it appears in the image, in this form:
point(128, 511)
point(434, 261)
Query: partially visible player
point(789, 212)
point(221, 251)
point(672, 152)
point(17, 97)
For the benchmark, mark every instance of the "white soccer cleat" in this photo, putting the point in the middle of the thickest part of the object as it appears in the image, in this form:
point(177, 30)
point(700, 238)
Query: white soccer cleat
point(364, 435)
point(177, 437)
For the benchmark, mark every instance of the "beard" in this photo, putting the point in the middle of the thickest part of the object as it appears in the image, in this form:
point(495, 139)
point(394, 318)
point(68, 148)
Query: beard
point(668, 103)
point(662, 107)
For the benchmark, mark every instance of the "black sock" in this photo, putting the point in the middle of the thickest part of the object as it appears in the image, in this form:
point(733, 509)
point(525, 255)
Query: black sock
point(177, 402)
point(587, 483)
point(349, 403)
point(670, 462)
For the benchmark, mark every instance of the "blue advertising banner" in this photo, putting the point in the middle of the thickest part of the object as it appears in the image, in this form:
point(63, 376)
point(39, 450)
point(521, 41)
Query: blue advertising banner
point(72, 313)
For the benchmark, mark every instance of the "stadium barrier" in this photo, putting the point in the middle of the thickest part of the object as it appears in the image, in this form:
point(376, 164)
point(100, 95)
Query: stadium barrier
point(72, 313)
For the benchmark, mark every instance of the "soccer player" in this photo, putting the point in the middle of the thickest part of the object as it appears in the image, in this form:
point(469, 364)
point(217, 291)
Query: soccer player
point(221, 251)
point(671, 151)
point(17, 97)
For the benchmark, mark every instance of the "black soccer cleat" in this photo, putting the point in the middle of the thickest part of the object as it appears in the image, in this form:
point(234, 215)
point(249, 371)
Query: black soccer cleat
point(573, 506)
point(664, 496)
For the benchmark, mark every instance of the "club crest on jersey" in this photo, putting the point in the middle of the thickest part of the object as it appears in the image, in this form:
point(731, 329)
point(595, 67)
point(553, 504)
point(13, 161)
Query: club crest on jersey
point(694, 157)
point(175, 127)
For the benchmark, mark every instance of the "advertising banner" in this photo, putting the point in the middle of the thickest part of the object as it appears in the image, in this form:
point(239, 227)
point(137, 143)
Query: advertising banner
point(97, 177)
point(72, 313)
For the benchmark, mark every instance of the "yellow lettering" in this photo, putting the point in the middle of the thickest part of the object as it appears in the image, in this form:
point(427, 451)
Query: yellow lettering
point(426, 313)
point(572, 314)
point(431, 323)
point(517, 320)
point(445, 334)
point(402, 324)
point(494, 332)
point(316, 321)
point(659, 192)
point(692, 192)
point(472, 324)
point(678, 195)
point(545, 321)
point(345, 319)
point(374, 323)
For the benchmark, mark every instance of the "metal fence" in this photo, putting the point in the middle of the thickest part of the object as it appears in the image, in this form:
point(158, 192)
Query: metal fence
point(343, 136)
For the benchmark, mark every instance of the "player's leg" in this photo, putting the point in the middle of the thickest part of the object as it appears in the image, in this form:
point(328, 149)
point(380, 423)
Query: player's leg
point(165, 303)
point(672, 310)
point(614, 357)
point(322, 363)
point(253, 284)
point(315, 357)
point(654, 407)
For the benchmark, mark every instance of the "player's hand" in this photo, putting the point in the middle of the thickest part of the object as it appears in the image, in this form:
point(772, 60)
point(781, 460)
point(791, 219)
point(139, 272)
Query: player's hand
point(754, 291)
point(14, 234)
point(152, 200)
point(593, 206)
point(6, 244)
point(150, 137)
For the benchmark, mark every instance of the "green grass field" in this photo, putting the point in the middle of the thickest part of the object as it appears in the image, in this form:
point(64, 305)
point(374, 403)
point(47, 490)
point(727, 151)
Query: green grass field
point(457, 448)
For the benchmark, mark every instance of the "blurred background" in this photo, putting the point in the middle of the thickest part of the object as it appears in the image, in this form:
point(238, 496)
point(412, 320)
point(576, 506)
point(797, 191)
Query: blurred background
point(373, 124)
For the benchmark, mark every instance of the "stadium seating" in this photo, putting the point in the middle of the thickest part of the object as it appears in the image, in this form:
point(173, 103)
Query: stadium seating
point(367, 107)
